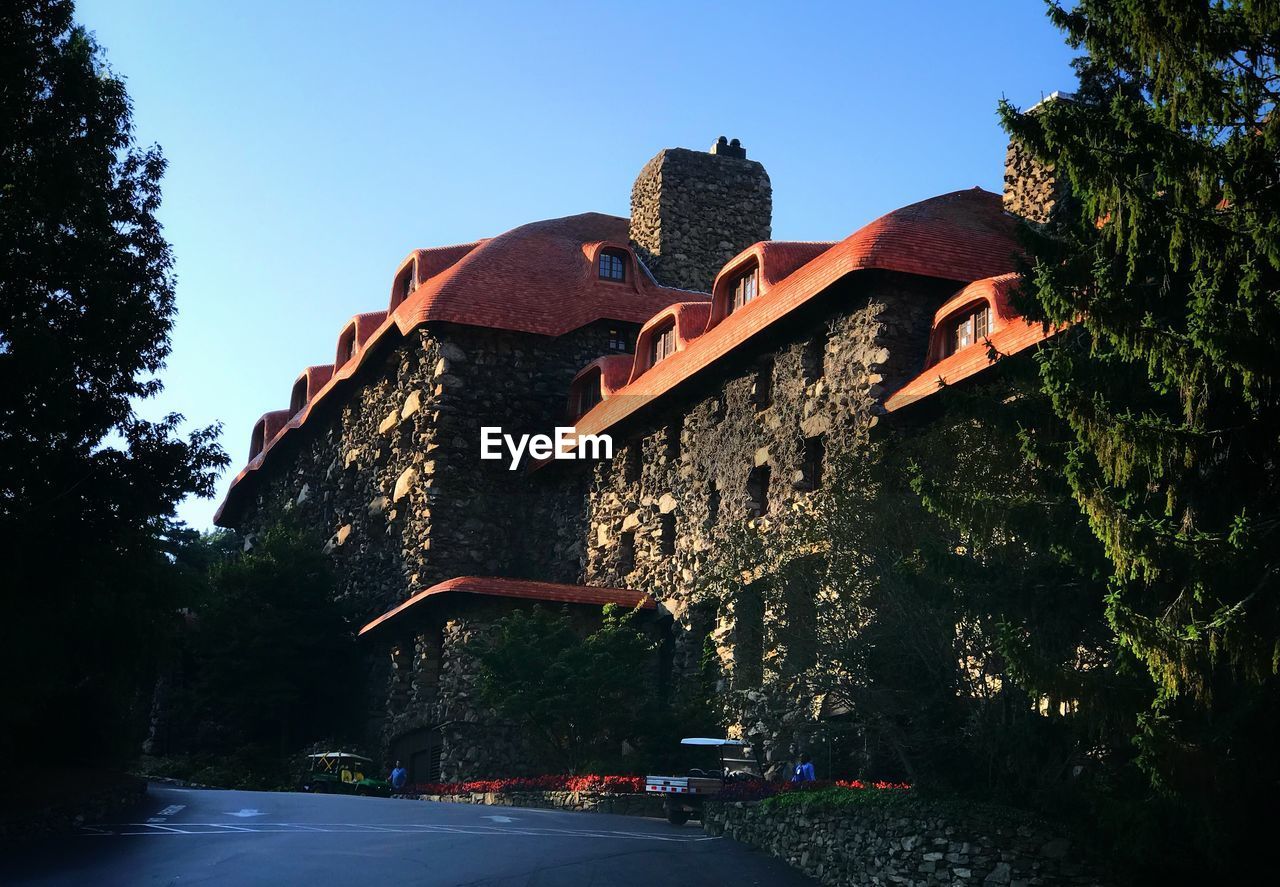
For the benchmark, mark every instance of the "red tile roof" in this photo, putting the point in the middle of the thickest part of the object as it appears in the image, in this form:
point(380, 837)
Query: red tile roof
point(961, 236)
point(315, 378)
point(427, 264)
point(267, 427)
point(1009, 335)
point(539, 278)
point(550, 592)
point(356, 334)
point(775, 260)
point(689, 320)
point(615, 370)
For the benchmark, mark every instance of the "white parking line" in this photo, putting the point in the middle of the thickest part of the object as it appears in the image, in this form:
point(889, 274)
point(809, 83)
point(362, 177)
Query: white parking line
point(165, 828)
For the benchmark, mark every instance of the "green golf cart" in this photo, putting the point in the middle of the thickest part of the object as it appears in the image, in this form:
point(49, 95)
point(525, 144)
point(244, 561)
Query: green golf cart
point(342, 773)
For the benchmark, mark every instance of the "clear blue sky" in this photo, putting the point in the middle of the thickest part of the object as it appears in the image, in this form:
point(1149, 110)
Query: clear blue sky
point(311, 145)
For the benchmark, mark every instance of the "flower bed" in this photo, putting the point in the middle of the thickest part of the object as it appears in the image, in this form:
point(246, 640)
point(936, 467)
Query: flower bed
point(609, 785)
point(759, 790)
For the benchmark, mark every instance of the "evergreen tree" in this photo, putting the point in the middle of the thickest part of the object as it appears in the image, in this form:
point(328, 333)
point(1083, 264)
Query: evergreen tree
point(1166, 266)
point(86, 306)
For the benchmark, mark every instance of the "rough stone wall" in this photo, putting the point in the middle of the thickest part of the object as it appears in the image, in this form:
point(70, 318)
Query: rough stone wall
point(1032, 190)
point(691, 212)
point(914, 844)
point(392, 476)
point(657, 521)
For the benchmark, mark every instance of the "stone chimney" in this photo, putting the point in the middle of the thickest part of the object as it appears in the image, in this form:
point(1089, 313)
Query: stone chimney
point(1032, 189)
point(692, 211)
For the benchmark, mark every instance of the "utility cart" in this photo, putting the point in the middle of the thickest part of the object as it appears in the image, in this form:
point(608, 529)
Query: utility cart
point(685, 795)
point(339, 772)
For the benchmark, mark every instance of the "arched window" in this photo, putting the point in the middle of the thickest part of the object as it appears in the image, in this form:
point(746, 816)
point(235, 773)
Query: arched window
point(964, 329)
point(742, 289)
point(586, 394)
point(298, 398)
point(256, 441)
point(406, 282)
point(662, 343)
point(613, 265)
point(346, 346)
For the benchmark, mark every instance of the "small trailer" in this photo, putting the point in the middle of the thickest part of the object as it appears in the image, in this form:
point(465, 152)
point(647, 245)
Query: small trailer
point(685, 795)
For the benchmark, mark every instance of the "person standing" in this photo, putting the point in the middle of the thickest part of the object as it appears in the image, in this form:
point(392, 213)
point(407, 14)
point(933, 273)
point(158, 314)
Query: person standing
point(399, 778)
point(804, 770)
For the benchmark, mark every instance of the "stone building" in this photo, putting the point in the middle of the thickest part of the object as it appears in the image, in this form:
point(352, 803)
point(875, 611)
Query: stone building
point(725, 367)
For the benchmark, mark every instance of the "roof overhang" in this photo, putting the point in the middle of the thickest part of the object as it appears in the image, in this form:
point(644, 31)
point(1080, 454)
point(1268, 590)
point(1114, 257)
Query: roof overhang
point(544, 592)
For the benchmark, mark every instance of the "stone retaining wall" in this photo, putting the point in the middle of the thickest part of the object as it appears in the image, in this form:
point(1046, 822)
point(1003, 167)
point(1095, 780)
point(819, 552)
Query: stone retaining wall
point(909, 843)
point(586, 802)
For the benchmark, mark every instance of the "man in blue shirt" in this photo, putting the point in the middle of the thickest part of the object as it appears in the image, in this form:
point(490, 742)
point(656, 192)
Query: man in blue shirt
point(399, 776)
point(804, 770)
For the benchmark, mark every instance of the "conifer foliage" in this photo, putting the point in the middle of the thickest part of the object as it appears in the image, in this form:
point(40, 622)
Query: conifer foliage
point(1166, 262)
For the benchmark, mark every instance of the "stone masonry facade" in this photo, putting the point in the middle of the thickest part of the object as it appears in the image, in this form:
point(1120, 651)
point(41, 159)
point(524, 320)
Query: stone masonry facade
point(705, 461)
point(671, 201)
point(383, 464)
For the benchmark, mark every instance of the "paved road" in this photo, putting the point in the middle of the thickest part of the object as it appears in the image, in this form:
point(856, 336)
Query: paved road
point(191, 836)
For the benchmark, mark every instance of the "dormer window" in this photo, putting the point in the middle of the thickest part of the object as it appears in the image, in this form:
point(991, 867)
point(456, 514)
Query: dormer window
point(613, 265)
point(258, 440)
point(966, 328)
point(743, 289)
point(298, 398)
point(586, 394)
point(662, 343)
point(346, 346)
point(406, 284)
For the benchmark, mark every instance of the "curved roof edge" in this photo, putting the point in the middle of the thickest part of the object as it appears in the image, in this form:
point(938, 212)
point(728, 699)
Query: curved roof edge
point(544, 263)
point(548, 592)
point(961, 236)
point(1011, 335)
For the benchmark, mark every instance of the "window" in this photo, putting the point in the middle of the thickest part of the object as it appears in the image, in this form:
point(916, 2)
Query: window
point(713, 506)
point(810, 475)
point(616, 342)
point(667, 533)
point(406, 285)
point(742, 290)
point(613, 265)
point(662, 343)
point(347, 346)
point(972, 326)
point(758, 491)
point(626, 553)
point(298, 399)
point(256, 442)
point(588, 393)
point(673, 442)
point(762, 386)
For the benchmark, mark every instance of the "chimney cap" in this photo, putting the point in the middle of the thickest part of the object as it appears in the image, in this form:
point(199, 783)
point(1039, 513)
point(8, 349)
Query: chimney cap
point(726, 148)
point(1055, 96)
